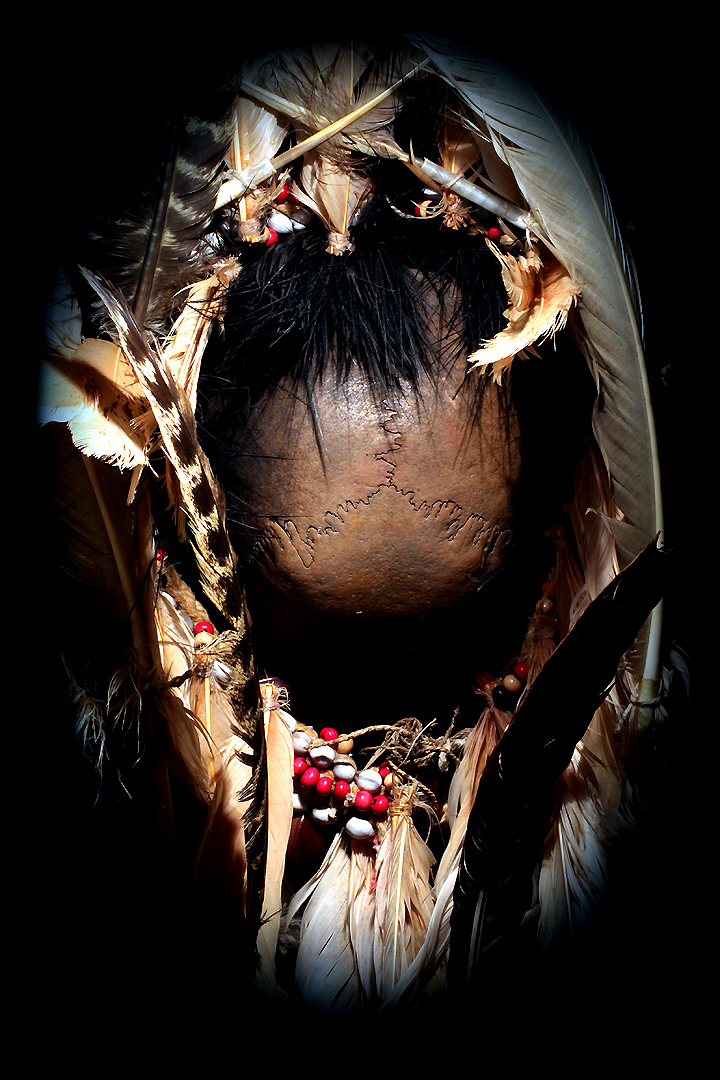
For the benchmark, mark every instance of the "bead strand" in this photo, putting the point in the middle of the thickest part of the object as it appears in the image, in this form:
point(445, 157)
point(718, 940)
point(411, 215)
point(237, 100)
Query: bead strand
point(507, 690)
point(327, 782)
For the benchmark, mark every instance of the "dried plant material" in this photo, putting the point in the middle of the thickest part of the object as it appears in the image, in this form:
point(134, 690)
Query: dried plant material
point(403, 895)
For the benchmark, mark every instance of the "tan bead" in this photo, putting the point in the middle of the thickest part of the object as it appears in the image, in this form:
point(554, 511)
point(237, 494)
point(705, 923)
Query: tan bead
point(345, 746)
point(512, 683)
point(203, 638)
point(545, 606)
point(388, 781)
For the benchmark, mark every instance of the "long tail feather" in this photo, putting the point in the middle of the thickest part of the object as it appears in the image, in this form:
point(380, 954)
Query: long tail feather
point(517, 790)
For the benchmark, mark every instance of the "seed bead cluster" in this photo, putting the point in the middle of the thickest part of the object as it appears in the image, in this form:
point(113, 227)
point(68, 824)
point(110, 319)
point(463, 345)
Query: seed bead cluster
point(327, 781)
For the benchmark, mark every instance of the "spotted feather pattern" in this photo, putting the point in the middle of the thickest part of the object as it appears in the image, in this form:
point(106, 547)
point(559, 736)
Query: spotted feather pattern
point(203, 504)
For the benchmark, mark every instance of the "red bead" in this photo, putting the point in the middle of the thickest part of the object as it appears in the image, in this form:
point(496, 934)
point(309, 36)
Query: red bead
point(299, 766)
point(521, 672)
point(324, 785)
point(159, 555)
point(494, 232)
point(379, 804)
point(272, 238)
point(310, 777)
point(328, 734)
point(341, 789)
point(384, 769)
point(363, 800)
point(204, 628)
point(282, 193)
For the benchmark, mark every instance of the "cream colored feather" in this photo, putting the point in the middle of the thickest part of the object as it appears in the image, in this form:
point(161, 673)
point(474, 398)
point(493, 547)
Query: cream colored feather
point(325, 81)
point(182, 350)
point(361, 914)
point(89, 385)
point(429, 962)
point(278, 738)
point(564, 191)
point(190, 740)
point(221, 865)
point(541, 294)
point(404, 902)
point(573, 873)
point(325, 972)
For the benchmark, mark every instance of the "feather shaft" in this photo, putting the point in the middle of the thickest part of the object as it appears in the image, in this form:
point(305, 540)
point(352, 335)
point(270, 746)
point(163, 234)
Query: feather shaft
point(256, 174)
point(476, 194)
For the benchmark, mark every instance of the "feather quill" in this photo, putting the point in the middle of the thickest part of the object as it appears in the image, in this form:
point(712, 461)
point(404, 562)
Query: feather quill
point(562, 187)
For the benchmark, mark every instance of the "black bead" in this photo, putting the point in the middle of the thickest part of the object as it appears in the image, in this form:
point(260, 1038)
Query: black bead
point(504, 699)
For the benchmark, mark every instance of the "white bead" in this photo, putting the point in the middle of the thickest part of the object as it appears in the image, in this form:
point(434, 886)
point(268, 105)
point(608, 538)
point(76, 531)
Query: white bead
point(369, 780)
point(359, 828)
point(343, 770)
point(290, 721)
point(281, 223)
point(298, 803)
point(322, 756)
point(301, 741)
point(324, 813)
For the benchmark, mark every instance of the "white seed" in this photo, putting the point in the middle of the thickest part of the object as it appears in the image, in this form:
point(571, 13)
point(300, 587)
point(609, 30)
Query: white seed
point(290, 721)
point(298, 803)
point(324, 813)
point(301, 741)
point(359, 828)
point(344, 770)
point(323, 756)
point(369, 780)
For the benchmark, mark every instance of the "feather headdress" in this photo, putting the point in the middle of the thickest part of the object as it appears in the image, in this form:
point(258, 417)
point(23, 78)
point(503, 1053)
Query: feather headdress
point(308, 138)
